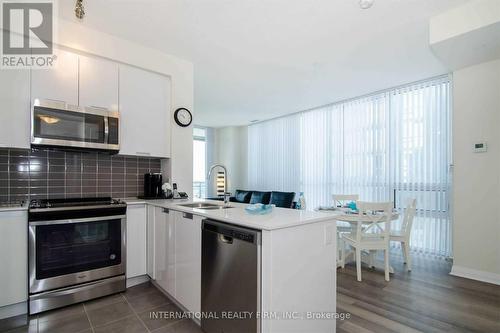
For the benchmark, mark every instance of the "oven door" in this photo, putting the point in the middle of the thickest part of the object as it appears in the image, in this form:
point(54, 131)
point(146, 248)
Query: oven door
point(69, 252)
point(58, 124)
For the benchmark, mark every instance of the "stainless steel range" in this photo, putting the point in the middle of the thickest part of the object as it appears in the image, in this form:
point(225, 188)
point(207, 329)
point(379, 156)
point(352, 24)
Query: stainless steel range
point(76, 251)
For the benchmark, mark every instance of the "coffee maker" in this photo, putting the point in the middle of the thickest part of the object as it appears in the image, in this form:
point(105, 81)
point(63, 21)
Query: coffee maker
point(152, 186)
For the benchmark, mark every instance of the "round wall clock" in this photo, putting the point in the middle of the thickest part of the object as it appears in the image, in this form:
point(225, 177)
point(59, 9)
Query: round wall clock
point(183, 117)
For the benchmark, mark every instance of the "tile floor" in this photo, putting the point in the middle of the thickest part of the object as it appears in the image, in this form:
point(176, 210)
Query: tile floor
point(128, 312)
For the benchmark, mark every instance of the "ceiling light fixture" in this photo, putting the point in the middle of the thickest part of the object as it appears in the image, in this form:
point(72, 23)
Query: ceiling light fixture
point(365, 4)
point(79, 9)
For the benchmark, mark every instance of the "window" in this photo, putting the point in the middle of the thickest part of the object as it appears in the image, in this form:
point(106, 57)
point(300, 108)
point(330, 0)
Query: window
point(392, 145)
point(199, 162)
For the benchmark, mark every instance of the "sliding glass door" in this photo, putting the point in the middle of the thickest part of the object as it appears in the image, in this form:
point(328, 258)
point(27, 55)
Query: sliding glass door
point(420, 160)
point(392, 145)
point(199, 162)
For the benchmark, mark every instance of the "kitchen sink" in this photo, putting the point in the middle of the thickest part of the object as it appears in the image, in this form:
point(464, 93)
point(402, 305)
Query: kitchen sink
point(218, 207)
point(199, 205)
point(204, 205)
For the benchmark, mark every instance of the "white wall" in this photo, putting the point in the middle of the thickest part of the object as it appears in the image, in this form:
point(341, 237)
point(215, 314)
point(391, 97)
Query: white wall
point(230, 149)
point(463, 19)
point(467, 35)
point(476, 192)
point(77, 37)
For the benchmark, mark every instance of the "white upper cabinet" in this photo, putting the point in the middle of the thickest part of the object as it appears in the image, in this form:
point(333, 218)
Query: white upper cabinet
point(143, 99)
point(59, 83)
point(145, 112)
point(98, 83)
point(15, 108)
point(136, 240)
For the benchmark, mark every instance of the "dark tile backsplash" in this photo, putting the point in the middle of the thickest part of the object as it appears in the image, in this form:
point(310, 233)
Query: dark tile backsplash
point(41, 174)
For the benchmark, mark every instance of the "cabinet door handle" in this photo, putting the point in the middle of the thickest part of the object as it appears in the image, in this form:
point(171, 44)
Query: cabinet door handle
point(143, 153)
point(166, 210)
point(187, 216)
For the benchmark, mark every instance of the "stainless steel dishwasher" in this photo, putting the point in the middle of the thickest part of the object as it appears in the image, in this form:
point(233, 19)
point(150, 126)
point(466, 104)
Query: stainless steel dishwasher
point(230, 275)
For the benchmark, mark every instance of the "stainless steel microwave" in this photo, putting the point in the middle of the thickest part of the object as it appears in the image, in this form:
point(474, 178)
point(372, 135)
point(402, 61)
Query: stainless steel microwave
point(59, 124)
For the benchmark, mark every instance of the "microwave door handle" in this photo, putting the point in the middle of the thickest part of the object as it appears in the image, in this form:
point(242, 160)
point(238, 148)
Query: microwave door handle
point(106, 130)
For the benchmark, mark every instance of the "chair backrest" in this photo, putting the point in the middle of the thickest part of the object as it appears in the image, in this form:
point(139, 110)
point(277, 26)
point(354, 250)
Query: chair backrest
point(379, 215)
point(409, 215)
point(341, 199)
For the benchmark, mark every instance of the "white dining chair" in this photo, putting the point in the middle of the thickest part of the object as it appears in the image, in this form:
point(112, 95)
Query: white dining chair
point(341, 200)
point(374, 235)
point(403, 235)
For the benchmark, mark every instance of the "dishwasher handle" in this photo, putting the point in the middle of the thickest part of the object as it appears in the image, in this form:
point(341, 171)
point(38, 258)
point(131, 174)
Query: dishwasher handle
point(226, 239)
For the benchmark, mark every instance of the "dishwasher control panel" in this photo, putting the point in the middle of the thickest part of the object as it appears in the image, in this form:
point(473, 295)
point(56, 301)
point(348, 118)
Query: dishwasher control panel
point(246, 235)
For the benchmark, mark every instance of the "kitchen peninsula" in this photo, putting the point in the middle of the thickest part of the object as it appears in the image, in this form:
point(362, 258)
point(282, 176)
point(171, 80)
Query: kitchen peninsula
point(295, 269)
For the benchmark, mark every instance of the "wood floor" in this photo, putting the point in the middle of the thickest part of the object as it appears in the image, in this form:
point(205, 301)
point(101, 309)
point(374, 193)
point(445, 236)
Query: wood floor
point(427, 299)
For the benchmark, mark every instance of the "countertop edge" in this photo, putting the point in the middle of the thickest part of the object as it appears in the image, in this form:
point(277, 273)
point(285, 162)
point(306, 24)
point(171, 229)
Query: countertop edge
point(174, 205)
point(13, 209)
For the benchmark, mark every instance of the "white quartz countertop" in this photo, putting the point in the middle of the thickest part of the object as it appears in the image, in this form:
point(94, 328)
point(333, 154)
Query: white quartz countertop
point(279, 218)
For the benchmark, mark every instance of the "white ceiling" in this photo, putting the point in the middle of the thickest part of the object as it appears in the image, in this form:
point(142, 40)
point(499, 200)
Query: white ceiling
point(258, 59)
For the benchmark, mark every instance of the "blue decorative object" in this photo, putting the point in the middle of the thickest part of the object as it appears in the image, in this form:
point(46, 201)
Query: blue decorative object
point(259, 209)
point(352, 206)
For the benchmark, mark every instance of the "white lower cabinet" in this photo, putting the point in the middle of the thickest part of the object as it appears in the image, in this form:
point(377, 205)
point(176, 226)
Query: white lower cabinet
point(136, 240)
point(13, 257)
point(188, 260)
point(150, 241)
point(174, 254)
point(164, 250)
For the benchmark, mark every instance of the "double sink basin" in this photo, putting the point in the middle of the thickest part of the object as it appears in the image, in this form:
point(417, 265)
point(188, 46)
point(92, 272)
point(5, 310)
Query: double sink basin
point(204, 205)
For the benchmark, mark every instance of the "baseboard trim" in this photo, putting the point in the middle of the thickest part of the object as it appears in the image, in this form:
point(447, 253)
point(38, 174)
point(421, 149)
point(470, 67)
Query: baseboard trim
point(475, 274)
point(137, 280)
point(13, 310)
point(13, 316)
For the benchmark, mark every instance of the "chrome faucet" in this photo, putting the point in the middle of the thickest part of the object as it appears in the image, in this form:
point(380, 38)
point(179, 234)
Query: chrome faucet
point(225, 174)
point(227, 197)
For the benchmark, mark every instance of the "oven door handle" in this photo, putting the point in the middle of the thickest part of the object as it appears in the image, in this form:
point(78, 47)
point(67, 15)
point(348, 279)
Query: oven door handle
point(82, 220)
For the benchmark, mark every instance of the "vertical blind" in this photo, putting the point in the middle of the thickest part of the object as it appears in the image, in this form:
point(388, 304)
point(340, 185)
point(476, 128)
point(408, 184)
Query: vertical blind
point(393, 145)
